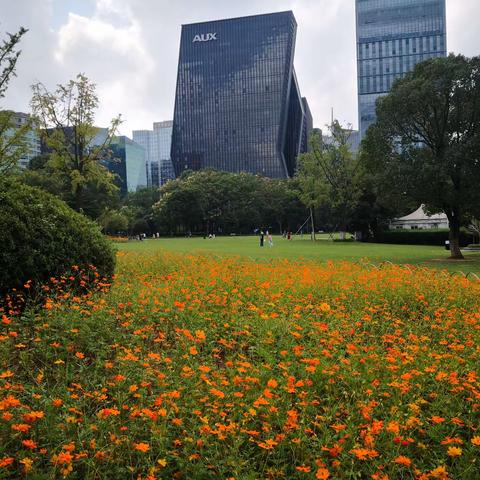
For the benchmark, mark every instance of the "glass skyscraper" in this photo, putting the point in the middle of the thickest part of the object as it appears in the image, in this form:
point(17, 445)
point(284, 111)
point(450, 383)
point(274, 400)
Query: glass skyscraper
point(392, 37)
point(238, 106)
point(157, 144)
point(127, 161)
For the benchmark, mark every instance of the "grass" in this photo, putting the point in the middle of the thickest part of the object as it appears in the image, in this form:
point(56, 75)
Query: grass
point(321, 251)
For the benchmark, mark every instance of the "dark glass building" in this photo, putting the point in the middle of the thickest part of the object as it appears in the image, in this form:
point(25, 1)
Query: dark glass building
point(392, 37)
point(238, 107)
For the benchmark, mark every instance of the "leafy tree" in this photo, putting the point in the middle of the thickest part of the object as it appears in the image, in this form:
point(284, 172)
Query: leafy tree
point(13, 143)
point(113, 222)
point(76, 146)
point(210, 201)
point(425, 145)
point(329, 175)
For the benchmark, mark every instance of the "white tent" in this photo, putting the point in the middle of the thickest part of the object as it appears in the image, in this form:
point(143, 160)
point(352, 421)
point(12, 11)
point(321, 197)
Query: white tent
point(420, 220)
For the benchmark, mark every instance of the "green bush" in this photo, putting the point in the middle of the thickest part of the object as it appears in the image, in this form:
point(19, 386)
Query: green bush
point(421, 237)
point(41, 237)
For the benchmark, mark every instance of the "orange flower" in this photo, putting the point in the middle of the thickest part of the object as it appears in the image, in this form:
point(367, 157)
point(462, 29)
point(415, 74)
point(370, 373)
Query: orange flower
point(80, 355)
point(268, 444)
point(56, 402)
point(364, 453)
point(272, 383)
point(29, 444)
point(436, 419)
point(6, 461)
point(454, 451)
point(322, 474)
point(21, 427)
point(476, 441)
point(141, 447)
point(217, 393)
point(62, 458)
point(193, 351)
point(303, 468)
point(440, 473)
point(325, 307)
point(402, 460)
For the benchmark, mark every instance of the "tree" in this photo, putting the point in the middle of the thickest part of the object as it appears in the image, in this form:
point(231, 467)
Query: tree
point(76, 146)
point(113, 222)
point(210, 201)
point(425, 145)
point(13, 143)
point(329, 176)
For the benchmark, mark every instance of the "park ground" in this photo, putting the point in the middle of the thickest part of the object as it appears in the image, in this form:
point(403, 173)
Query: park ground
point(323, 250)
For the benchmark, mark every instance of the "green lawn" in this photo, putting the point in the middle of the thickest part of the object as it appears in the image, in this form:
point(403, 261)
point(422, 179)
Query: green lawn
point(322, 250)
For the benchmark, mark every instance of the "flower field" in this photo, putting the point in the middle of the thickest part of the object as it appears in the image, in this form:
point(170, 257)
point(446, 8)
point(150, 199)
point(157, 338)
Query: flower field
point(196, 367)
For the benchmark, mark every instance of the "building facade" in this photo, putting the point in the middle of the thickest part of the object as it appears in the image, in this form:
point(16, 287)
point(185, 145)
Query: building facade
point(157, 144)
point(238, 107)
point(392, 37)
point(127, 161)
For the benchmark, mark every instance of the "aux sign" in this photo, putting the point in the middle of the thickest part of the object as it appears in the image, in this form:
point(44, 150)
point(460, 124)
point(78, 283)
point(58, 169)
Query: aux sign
point(205, 37)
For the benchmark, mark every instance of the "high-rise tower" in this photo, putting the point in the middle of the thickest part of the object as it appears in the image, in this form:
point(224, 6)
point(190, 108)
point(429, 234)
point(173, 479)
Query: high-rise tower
point(238, 107)
point(392, 37)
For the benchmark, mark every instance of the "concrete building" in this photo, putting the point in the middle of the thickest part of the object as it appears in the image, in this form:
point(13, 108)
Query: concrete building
point(392, 37)
point(238, 106)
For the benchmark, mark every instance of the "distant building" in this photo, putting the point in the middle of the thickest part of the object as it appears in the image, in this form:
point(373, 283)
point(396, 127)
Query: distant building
point(238, 106)
point(392, 37)
point(307, 126)
point(33, 143)
point(353, 139)
point(157, 144)
point(419, 220)
point(127, 161)
point(123, 156)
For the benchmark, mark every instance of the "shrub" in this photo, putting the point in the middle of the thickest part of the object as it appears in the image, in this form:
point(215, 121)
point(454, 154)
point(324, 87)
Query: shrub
point(41, 237)
point(420, 237)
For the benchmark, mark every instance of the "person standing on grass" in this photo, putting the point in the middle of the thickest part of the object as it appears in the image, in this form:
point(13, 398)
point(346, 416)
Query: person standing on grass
point(262, 238)
point(270, 239)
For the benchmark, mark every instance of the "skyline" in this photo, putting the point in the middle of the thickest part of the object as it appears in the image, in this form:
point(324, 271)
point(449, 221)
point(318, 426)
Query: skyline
point(130, 48)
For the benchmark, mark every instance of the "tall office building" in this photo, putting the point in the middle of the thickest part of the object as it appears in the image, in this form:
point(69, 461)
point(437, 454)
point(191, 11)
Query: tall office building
point(157, 144)
point(127, 161)
point(238, 107)
point(392, 37)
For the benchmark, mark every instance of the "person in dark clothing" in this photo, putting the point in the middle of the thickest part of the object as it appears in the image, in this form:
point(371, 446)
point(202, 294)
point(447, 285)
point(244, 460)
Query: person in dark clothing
point(262, 238)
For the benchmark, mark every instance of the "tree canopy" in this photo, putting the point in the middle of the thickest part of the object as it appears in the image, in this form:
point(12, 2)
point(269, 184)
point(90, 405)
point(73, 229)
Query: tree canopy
point(13, 142)
point(76, 146)
point(425, 145)
point(329, 176)
point(209, 201)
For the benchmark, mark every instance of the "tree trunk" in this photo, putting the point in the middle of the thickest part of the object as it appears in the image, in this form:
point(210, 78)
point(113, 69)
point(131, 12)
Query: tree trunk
point(313, 224)
point(454, 234)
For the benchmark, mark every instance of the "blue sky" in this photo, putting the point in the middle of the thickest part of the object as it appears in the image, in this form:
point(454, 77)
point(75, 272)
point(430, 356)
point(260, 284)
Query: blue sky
point(129, 48)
